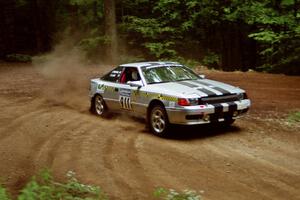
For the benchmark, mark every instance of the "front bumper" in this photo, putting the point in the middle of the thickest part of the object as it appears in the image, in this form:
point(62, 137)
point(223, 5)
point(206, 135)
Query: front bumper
point(203, 114)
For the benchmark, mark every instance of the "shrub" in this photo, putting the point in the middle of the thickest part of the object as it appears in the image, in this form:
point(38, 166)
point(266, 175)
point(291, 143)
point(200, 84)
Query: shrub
point(18, 58)
point(294, 117)
point(43, 187)
point(188, 62)
point(3, 194)
point(171, 194)
point(211, 59)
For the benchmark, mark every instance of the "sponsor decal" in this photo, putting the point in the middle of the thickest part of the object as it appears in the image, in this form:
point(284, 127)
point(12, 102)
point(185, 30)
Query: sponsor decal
point(101, 87)
point(125, 99)
point(125, 102)
point(171, 104)
point(205, 87)
point(125, 92)
point(206, 91)
point(188, 84)
point(158, 96)
point(223, 91)
point(201, 82)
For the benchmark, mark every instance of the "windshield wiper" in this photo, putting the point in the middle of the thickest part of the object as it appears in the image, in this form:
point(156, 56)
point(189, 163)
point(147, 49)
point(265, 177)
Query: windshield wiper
point(159, 82)
point(186, 79)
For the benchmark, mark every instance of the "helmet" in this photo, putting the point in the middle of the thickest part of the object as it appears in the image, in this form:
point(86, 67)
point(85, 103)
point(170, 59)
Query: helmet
point(134, 76)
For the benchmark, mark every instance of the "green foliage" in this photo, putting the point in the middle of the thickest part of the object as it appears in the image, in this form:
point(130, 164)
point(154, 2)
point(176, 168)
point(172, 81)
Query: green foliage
point(171, 194)
point(21, 3)
point(211, 59)
point(149, 28)
point(156, 34)
point(88, 11)
point(131, 58)
point(161, 50)
point(275, 27)
point(294, 117)
point(187, 62)
point(261, 34)
point(3, 194)
point(43, 187)
point(18, 58)
point(266, 36)
point(287, 2)
point(90, 45)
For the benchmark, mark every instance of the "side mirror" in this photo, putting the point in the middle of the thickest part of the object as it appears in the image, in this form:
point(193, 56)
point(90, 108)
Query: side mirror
point(202, 76)
point(135, 84)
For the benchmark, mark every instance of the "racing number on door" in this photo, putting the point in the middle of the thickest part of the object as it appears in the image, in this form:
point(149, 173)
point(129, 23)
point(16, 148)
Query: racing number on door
point(125, 102)
point(124, 98)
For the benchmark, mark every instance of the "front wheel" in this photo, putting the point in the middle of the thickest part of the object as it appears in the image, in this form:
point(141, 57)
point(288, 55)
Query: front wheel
point(158, 121)
point(98, 106)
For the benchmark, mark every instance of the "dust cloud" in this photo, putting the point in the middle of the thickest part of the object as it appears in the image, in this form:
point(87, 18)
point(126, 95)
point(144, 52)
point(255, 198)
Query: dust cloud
point(67, 75)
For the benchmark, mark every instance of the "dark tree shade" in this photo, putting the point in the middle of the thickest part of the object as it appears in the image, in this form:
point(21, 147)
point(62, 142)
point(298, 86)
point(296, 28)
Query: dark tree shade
point(229, 35)
point(7, 27)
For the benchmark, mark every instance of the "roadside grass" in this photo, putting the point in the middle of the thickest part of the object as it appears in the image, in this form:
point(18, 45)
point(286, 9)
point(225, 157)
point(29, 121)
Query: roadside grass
point(44, 187)
point(294, 117)
point(3, 194)
point(171, 194)
point(18, 58)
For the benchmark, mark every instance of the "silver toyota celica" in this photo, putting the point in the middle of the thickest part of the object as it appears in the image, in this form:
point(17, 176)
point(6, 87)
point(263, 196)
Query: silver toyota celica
point(166, 93)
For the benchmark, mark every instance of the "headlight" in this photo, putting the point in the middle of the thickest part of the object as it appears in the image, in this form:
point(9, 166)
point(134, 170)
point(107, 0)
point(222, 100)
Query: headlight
point(193, 101)
point(188, 102)
point(242, 96)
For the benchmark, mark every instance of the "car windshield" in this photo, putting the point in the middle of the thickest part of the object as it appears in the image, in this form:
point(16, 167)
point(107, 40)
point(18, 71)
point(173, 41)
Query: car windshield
point(168, 74)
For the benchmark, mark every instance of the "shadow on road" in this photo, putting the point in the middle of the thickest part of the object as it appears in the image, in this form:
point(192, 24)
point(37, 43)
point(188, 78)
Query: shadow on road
point(181, 132)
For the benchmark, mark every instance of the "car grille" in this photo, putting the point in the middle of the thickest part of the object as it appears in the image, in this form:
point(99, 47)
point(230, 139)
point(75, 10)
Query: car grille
point(218, 99)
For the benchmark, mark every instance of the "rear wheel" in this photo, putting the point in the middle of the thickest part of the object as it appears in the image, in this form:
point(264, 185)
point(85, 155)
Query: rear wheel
point(158, 121)
point(98, 106)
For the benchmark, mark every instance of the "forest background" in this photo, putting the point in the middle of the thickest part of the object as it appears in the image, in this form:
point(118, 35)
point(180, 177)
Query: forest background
point(262, 35)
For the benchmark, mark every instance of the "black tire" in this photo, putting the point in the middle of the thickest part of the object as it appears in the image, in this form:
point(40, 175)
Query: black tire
point(98, 106)
point(158, 121)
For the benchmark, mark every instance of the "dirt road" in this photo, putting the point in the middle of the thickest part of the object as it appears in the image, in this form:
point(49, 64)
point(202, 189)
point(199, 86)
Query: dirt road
point(45, 123)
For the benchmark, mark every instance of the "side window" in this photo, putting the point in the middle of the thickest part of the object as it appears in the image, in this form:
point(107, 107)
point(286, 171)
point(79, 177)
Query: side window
point(114, 75)
point(130, 74)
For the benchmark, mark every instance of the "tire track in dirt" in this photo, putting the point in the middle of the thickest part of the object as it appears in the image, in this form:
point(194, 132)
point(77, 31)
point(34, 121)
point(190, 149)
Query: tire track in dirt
point(123, 161)
point(53, 145)
point(158, 150)
point(256, 159)
point(203, 177)
point(268, 173)
point(237, 164)
point(14, 122)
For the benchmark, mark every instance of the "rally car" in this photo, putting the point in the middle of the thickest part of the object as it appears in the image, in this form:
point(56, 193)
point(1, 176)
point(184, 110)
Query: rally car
point(166, 93)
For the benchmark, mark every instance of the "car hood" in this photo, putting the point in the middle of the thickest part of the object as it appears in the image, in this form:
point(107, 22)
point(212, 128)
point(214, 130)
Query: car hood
point(195, 88)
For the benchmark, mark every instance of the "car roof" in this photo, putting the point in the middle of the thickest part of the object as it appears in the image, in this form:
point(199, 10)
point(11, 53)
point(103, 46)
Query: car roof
point(149, 64)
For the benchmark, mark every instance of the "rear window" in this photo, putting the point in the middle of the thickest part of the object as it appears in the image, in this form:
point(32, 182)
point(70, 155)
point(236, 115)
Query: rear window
point(114, 75)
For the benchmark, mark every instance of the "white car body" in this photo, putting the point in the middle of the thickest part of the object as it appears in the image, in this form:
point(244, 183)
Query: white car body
point(210, 100)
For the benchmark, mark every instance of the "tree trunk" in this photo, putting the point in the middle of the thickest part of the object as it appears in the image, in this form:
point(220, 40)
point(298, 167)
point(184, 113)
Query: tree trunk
point(37, 26)
point(7, 27)
point(111, 30)
point(231, 56)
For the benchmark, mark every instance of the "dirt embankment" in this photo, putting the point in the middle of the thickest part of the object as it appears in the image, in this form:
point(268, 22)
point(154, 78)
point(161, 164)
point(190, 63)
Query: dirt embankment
point(44, 122)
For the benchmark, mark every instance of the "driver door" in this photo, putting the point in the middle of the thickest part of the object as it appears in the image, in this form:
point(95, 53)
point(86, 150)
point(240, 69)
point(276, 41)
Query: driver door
point(127, 95)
